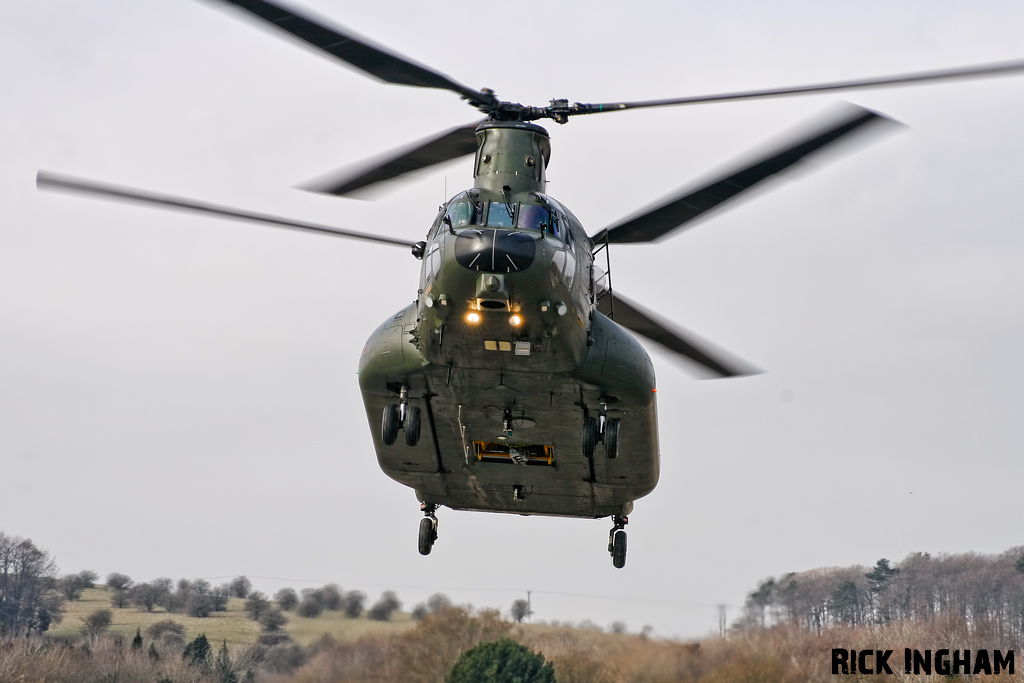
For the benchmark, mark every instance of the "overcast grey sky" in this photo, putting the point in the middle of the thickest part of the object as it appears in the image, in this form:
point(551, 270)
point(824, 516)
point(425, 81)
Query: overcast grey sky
point(178, 394)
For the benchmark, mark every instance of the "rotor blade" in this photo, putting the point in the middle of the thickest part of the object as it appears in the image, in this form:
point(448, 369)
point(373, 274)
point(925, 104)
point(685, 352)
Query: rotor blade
point(977, 71)
point(357, 51)
point(52, 181)
point(450, 144)
point(631, 315)
point(676, 211)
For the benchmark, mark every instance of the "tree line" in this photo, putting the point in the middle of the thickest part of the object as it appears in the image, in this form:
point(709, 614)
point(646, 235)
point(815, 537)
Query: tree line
point(983, 592)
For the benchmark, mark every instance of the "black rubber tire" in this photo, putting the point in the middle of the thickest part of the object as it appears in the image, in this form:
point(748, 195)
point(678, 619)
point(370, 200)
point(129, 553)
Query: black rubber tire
point(611, 438)
point(427, 536)
point(589, 440)
point(412, 425)
point(619, 549)
point(390, 423)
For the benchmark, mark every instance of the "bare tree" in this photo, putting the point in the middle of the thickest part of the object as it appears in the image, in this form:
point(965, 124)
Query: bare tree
point(384, 607)
point(88, 578)
point(354, 601)
point(71, 586)
point(286, 598)
point(118, 582)
point(97, 622)
point(256, 605)
point(241, 586)
point(331, 597)
point(520, 610)
point(29, 599)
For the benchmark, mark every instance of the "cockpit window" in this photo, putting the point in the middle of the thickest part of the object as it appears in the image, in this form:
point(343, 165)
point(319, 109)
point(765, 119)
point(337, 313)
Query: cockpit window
point(535, 217)
point(501, 215)
point(466, 212)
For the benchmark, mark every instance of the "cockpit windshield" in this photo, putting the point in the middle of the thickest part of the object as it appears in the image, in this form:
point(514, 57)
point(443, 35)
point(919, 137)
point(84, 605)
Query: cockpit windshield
point(536, 217)
point(501, 215)
point(465, 211)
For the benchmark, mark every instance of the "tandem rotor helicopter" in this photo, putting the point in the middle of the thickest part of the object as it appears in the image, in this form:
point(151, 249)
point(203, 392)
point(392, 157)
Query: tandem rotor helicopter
point(511, 383)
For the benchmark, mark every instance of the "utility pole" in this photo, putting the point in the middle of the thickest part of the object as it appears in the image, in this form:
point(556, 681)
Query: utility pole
point(721, 620)
point(529, 607)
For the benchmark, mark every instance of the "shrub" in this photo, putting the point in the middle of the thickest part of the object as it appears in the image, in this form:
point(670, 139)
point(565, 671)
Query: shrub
point(272, 620)
point(287, 598)
point(118, 582)
point(501, 661)
point(97, 622)
point(240, 587)
point(158, 629)
point(198, 605)
point(198, 651)
point(119, 598)
point(354, 601)
point(310, 607)
point(330, 596)
point(256, 605)
point(382, 609)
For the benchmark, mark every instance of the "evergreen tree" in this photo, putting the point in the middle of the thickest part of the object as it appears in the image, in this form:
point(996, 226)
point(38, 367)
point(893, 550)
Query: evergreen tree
point(223, 670)
point(153, 654)
point(137, 640)
point(501, 661)
point(198, 651)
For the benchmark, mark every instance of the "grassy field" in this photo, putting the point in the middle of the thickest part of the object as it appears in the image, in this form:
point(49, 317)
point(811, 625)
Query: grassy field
point(232, 626)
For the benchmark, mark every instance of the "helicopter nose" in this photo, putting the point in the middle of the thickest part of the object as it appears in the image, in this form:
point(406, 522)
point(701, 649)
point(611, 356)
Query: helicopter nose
point(494, 251)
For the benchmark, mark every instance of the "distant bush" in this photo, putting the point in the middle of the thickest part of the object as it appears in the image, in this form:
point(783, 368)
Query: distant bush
point(97, 622)
point(382, 609)
point(256, 605)
point(286, 598)
point(435, 603)
point(71, 586)
point(198, 605)
point(119, 597)
point(158, 629)
point(241, 586)
point(284, 658)
point(118, 582)
point(145, 596)
point(310, 607)
point(354, 601)
point(330, 597)
point(520, 610)
point(88, 578)
point(272, 620)
point(220, 596)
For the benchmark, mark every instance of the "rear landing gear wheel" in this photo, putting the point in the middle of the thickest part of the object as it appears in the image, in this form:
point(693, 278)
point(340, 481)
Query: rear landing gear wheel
point(619, 549)
point(617, 541)
point(428, 534)
point(589, 440)
point(611, 438)
point(412, 425)
point(390, 423)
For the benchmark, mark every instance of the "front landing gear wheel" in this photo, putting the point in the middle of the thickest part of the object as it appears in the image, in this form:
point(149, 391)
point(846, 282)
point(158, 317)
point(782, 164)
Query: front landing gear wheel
point(412, 425)
point(611, 438)
point(390, 423)
point(428, 534)
point(589, 440)
point(619, 549)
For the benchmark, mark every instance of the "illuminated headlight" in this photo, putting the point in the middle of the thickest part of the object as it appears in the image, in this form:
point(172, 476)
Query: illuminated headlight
point(515, 320)
point(472, 317)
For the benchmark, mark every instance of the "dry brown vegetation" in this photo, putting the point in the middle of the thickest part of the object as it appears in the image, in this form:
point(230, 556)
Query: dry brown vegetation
point(425, 652)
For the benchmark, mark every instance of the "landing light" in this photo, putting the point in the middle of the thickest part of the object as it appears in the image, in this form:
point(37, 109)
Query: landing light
point(473, 318)
point(515, 321)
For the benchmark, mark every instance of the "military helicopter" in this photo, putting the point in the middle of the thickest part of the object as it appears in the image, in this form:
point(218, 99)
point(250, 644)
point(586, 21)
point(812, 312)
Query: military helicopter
point(511, 383)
